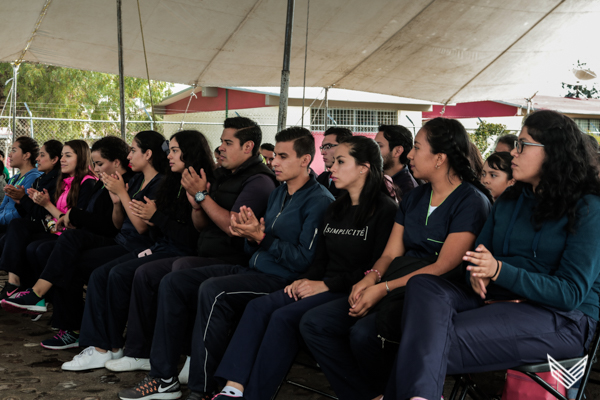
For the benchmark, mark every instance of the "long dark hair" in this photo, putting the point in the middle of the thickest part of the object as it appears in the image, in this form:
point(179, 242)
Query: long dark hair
point(448, 136)
point(195, 153)
point(151, 140)
point(569, 170)
point(364, 151)
point(82, 168)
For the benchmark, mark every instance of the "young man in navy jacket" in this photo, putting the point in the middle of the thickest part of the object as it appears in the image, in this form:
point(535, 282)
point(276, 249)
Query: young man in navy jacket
point(283, 245)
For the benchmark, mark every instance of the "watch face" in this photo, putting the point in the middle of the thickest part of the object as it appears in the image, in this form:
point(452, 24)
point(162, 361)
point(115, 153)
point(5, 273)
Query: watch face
point(199, 197)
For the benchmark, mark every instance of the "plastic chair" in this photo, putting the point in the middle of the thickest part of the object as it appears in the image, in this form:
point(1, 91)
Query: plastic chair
point(466, 386)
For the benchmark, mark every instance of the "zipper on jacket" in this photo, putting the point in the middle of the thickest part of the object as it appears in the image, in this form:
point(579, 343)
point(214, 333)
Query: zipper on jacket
point(256, 258)
point(383, 340)
point(280, 211)
point(313, 239)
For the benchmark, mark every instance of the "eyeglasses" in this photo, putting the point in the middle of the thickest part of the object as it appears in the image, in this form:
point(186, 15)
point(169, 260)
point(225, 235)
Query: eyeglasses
point(327, 146)
point(519, 145)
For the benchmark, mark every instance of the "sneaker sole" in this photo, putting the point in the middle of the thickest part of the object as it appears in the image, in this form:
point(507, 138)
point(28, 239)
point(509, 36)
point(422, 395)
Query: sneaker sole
point(63, 347)
point(164, 396)
point(17, 308)
point(78, 368)
point(119, 369)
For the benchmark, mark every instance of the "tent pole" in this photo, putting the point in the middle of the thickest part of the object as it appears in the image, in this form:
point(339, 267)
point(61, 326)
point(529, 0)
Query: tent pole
point(121, 79)
point(285, 73)
point(326, 109)
point(15, 67)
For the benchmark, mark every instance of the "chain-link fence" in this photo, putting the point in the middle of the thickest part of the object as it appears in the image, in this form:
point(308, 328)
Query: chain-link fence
point(43, 129)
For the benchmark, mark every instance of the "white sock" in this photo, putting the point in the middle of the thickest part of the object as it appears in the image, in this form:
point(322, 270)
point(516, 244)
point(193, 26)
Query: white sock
point(167, 380)
point(231, 391)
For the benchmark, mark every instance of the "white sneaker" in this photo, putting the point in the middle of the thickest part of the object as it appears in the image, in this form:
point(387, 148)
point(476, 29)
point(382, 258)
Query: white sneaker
point(89, 358)
point(128, 364)
point(184, 375)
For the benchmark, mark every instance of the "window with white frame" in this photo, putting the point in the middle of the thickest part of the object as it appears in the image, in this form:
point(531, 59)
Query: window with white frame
point(366, 121)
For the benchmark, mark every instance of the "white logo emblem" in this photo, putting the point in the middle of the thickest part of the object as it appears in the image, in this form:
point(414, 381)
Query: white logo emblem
point(567, 377)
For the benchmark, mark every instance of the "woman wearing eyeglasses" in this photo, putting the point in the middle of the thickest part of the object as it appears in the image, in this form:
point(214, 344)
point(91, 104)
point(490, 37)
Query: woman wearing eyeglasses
point(536, 265)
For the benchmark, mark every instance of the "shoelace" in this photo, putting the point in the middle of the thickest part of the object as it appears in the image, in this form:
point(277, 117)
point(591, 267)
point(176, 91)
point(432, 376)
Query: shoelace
point(60, 334)
point(89, 350)
point(65, 336)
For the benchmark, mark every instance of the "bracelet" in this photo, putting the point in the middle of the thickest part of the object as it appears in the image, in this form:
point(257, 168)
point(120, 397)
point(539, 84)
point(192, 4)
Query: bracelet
point(387, 287)
point(497, 269)
point(374, 270)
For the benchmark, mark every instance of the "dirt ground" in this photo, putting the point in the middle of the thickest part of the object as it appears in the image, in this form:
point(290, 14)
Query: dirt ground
point(30, 372)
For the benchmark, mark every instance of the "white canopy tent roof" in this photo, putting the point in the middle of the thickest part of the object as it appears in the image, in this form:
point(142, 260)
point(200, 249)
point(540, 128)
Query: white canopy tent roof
point(436, 50)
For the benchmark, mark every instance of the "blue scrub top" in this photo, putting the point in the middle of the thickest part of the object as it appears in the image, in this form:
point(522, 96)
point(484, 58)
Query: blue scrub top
point(464, 210)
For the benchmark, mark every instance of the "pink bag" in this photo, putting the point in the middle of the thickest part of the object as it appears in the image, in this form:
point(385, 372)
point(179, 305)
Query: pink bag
point(519, 386)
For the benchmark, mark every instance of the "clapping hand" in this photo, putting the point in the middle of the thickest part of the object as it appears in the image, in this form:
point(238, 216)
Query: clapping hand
point(246, 225)
point(144, 210)
point(40, 198)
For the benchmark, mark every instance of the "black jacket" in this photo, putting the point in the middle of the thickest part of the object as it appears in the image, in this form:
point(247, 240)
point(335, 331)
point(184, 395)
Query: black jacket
point(26, 206)
point(97, 216)
point(213, 242)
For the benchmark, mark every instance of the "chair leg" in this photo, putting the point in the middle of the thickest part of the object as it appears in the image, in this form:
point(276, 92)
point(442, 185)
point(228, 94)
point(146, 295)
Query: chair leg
point(588, 368)
point(456, 388)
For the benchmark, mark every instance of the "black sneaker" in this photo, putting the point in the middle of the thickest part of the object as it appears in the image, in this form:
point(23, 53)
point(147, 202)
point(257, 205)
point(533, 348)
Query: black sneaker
point(8, 290)
point(153, 388)
point(25, 301)
point(62, 340)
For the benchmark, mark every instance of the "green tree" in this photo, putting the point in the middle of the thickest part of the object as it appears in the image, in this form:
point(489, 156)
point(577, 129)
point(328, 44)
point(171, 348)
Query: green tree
point(57, 92)
point(581, 91)
point(484, 131)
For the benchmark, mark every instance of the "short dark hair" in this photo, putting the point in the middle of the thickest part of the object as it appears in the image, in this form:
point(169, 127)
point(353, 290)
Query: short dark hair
point(398, 135)
point(267, 146)
point(2, 154)
point(29, 145)
point(304, 142)
point(501, 161)
point(339, 133)
point(508, 140)
point(247, 130)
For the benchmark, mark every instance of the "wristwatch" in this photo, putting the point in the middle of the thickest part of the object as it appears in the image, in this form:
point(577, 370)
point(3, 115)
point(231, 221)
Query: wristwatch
point(200, 196)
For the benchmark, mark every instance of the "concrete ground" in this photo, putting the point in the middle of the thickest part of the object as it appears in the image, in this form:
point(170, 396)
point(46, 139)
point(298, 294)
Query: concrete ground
point(30, 372)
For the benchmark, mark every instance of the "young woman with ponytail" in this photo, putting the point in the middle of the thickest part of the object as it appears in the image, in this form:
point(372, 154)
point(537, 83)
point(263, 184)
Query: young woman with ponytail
point(353, 339)
point(355, 229)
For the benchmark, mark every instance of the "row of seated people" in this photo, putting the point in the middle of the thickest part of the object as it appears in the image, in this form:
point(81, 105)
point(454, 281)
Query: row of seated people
point(303, 266)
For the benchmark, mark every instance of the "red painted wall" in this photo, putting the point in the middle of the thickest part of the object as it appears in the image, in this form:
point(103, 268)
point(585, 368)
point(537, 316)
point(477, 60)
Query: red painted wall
point(473, 110)
point(237, 100)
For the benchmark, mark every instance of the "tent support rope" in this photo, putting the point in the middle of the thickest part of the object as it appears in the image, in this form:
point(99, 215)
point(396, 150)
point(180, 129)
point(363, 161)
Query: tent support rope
point(146, 60)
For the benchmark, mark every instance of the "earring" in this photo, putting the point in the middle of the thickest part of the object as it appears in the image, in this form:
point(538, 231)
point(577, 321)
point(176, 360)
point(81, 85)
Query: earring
point(361, 172)
point(437, 166)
